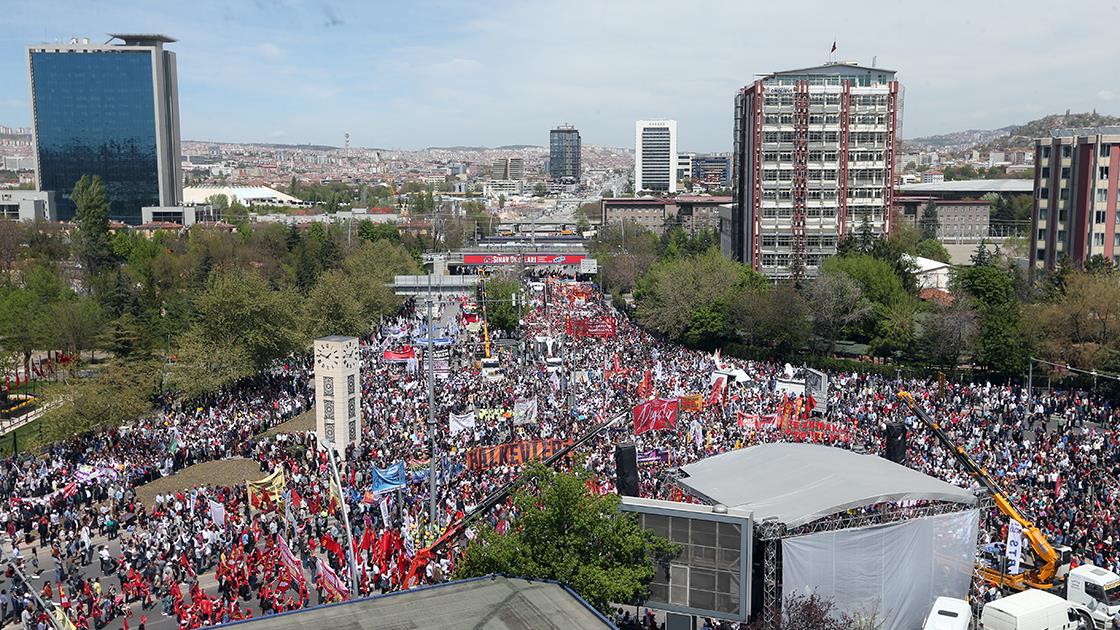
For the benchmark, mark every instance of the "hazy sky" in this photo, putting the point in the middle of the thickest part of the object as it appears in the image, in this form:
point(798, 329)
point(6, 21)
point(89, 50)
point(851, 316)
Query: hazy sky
point(416, 73)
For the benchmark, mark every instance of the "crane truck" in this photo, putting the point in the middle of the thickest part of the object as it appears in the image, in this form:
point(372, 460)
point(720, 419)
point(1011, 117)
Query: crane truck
point(1045, 567)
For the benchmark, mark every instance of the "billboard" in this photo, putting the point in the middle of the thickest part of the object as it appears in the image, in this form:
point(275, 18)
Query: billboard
point(710, 575)
point(522, 259)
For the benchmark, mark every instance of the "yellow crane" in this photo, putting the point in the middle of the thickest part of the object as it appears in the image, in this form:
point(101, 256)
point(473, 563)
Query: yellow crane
point(1049, 566)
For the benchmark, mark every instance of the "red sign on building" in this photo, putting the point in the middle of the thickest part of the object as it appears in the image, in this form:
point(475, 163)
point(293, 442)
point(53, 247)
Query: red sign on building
point(522, 259)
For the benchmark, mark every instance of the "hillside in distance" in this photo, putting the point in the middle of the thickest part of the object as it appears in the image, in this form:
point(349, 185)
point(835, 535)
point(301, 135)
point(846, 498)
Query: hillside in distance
point(985, 140)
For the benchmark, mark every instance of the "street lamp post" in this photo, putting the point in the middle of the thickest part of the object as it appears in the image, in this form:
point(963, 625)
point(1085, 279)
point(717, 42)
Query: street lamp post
point(353, 559)
point(431, 412)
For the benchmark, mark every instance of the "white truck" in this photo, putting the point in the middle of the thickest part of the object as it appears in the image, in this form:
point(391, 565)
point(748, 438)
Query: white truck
point(1034, 610)
point(949, 613)
point(1097, 590)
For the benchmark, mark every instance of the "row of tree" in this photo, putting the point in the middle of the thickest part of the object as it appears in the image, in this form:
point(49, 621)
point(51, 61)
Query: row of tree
point(867, 296)
point(197, 309)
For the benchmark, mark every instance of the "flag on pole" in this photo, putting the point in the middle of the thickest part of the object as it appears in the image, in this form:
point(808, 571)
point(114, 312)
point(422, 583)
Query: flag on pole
point(331, 581)
point(217, 513)
point(833, 47)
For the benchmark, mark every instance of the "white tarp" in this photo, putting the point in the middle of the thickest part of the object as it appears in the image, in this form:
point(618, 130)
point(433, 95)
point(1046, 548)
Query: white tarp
point(895, 570)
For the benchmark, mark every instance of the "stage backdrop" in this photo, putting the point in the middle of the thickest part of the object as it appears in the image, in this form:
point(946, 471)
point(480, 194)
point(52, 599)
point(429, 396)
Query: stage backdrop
point(897, 570)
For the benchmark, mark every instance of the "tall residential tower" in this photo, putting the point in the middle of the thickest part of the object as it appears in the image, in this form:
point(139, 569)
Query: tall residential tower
point(814, 161)
point(1076, 174)
point(655, 156)
point(110, 110)
point(563, 155)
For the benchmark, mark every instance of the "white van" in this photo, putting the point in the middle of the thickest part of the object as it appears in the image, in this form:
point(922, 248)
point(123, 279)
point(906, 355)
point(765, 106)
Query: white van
point(1034, 610)
point(949, 613)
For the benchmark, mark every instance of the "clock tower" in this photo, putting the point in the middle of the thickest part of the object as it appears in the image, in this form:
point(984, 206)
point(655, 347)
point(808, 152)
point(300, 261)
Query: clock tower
point(338, 386)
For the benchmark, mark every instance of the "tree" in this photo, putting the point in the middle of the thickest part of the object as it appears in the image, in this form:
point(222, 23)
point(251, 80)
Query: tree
point(370, 270)
point(932, 249)
point(895, 328)
point(771, 317)
point(501, 201)
point(241, 325)
point(687, 299)
point(949, 332)
point(77, 323)
point(876, 278)
point(116, 395)
point(1082, 326)
point(504, 304)
point(835, 301)
point(91, 241)
point(565, 533)
point(370, 231)
point(1001, 343)
point(11, 238)
point(929, 224)
point(332, 308)
point(540, 190)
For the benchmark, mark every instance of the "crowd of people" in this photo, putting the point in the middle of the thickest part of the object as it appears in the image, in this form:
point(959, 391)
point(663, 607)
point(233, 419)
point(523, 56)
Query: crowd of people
point(79, 536)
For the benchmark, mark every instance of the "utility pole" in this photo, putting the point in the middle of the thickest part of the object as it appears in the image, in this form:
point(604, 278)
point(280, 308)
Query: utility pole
point(345, 519)
point(432, 462)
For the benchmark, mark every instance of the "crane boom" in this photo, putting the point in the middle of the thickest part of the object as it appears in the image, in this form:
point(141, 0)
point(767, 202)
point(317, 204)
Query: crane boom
point(1048, 562)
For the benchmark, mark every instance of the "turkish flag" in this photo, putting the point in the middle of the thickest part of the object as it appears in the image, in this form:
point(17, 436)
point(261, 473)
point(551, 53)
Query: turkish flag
point(645, 388)
point(654, 415)
point(717, 389)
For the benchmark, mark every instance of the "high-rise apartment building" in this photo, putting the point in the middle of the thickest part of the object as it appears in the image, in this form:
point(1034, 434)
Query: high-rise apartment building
point(508, 169)
point(814, 159)
point(564, 155)
point(1075, 201)
point(110, 110)
point(655, 155)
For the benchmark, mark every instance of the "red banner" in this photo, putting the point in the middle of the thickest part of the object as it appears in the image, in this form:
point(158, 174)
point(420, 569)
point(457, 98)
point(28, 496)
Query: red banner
point(601, 327)
point(755, 421)
point(512, 453)
point(817, 430)
point(645, 388)
point(404, 354)
point(655, 415)
point(522, 259)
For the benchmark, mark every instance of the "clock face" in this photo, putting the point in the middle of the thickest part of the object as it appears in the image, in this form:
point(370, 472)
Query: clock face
point(350, 356)
point(326, 358)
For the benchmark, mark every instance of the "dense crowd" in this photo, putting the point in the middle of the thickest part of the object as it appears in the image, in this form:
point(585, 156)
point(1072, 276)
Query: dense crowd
point(208, 554)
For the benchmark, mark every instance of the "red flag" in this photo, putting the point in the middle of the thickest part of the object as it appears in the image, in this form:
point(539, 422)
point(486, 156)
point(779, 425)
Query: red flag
point(717, 388)
point(653, 415)
point(833, 47)
point(645, 388)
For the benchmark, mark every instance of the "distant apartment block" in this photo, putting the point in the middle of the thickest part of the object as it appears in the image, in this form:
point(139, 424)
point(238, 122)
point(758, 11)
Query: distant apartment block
point(508, 168)
point(655, 156)
point(27, 205)
point(692, 213)
point(1075, 181)
point(959, 220)
point(712, 170)
point(814, 159)
point(933, 177)
point(684, 166)
point(564, 155)
point(110, 110)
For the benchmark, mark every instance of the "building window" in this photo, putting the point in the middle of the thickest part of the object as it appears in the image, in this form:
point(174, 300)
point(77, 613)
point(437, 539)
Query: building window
point(1106, 149)
point(1040, 254)
point(1063, 194)
point(1102, 172)
point(1045, 172)
point(1098, 217)
point(1042, 234)
point(1065, 172)
point(1045, 152)
point(1043, 193)
point(1066, 150)
point(1102, 195)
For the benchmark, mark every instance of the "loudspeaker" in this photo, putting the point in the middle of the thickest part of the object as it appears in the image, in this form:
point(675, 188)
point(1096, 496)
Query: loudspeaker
point(626, 469)
point(895, 437)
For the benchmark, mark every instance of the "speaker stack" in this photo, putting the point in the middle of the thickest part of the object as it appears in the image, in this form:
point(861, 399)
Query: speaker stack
point(896, 442)
point(626, 469)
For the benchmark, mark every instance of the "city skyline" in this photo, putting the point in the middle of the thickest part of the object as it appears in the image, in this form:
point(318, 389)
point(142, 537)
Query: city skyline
point(441, 74)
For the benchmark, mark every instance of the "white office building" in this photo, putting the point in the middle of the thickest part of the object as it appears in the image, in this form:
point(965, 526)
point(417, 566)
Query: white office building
point(655, 156)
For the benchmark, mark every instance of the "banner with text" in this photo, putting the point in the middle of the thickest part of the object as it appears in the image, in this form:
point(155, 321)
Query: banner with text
point(512, 453)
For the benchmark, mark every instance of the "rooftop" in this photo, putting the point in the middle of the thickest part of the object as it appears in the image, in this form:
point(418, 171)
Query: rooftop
point(816, 482)
point(980, 186)
point(143, 38)
point(839, 67)
point(486, 603)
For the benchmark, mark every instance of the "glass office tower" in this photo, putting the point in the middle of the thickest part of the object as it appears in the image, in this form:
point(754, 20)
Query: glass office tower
point(564, 155)
point(110, 110)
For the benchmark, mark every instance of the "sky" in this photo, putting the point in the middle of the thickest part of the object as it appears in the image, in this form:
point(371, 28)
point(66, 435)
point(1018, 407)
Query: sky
point(416, 73)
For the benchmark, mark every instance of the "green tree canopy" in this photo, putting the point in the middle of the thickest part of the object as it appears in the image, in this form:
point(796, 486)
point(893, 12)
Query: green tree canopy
point(91, 241)
point(876, 278)
point(565, 533)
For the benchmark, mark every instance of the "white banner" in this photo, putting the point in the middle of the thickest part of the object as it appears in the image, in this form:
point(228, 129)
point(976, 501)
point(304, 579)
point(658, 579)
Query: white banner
point(385, 522)
point(217, 513)
point(525, 411)
point(1014, 546)
point(462, 422)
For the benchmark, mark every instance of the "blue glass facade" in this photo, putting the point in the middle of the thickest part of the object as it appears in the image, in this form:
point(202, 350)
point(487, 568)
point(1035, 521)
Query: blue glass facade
point(95, 115)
